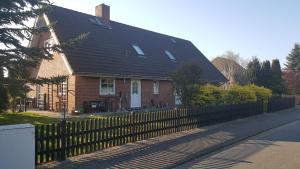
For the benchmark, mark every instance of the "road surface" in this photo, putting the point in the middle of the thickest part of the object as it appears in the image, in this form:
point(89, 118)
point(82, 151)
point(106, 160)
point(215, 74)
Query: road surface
point(278, 148)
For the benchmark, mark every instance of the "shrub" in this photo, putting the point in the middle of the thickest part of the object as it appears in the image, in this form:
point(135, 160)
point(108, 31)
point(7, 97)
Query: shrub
point(261, 93)
point(238, 95)
point(208, 95)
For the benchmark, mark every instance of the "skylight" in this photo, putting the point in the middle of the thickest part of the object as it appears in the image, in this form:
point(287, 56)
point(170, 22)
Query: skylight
point(138, 50)
point(96, 21)
point(173, 40)
point(170, 55)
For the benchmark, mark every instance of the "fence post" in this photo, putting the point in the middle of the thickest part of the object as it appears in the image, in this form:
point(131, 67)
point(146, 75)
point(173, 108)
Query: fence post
point(36, 144)
point(63, 140)
point(263, 107)
point(294, 101)
point(135, 126)
point(269, 105)
point(177, 119)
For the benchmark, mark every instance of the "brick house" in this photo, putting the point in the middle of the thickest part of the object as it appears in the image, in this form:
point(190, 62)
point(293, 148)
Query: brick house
point(116, 67)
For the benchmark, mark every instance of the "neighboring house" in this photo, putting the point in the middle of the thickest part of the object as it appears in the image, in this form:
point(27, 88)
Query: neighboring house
point(117, 66)
point(234, 72)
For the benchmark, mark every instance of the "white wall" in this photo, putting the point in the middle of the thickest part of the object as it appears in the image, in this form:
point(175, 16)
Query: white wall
point(17, 146)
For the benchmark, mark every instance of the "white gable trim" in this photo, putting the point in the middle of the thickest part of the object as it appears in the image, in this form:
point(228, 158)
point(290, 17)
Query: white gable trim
point(57, 42)
point(31, 38)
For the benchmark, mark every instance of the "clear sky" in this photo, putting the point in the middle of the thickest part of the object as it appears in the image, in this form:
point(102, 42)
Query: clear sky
point(267, 29)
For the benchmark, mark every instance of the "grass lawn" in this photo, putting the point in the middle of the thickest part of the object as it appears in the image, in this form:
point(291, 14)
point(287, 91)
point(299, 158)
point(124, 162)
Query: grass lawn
point(36, 119)
point(21, 118)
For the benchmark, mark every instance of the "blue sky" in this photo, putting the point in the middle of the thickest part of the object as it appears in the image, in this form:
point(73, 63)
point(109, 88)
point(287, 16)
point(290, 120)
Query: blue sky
point(267, 29)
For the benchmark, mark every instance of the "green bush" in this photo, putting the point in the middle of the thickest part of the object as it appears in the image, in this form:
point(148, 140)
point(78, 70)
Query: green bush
point(208, 95)
point(261, 93)
point(213, 95)
point(238, 95)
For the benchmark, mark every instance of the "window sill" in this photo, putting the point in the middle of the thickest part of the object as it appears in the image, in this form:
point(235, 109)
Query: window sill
point(107, 95)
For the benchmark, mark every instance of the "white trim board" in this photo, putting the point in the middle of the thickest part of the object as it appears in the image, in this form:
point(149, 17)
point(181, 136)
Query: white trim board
point(56, 41)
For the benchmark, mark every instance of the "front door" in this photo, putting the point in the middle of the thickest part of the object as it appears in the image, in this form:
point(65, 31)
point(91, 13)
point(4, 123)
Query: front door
point(135, 93)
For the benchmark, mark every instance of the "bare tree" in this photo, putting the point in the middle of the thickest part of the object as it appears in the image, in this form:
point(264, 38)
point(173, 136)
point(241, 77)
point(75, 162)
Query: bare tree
point(229, 64)
point(235, 57)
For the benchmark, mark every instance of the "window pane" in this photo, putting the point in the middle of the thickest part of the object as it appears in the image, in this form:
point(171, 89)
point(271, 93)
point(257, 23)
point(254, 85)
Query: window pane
point(170, 55)
point(155, 87)
point(135, 88)
point(138, 49)
point(48, 43)
point(107, 87)
point(110, 81)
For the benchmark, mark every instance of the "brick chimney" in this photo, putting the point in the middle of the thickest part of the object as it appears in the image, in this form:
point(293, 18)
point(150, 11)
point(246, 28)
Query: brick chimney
point(103, 11)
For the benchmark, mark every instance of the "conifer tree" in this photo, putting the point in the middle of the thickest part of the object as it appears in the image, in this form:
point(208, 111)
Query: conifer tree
point(293, 59)
point(277, 83)
point(265, 76)
point(253, 70)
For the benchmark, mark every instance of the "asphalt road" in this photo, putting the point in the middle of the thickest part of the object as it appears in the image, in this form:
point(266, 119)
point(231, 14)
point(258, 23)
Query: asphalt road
point(278, 148)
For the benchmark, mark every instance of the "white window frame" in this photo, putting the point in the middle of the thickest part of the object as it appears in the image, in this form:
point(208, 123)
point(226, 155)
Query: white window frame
point(107, 93)
point(138, 49)
point(51, 42)
point(156, 88)
point(170, 55)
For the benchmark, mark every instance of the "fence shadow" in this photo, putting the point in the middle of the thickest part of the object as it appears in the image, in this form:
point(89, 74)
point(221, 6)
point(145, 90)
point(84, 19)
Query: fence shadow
point(225, 159)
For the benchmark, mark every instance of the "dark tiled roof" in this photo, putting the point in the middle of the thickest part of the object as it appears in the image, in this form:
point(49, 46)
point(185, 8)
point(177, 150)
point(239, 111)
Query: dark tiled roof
point(109, 51)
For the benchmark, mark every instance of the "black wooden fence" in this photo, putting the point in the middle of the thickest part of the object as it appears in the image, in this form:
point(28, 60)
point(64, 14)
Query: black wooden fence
point(66, 139)
point(281, 103)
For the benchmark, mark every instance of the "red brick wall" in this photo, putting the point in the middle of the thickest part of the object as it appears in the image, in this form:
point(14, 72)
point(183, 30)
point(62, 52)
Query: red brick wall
point(87, 89)
point(51, 68)
point(165, 96)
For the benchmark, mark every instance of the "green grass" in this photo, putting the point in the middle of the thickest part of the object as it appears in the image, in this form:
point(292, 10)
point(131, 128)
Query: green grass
point(36, 119)
point(21, 118)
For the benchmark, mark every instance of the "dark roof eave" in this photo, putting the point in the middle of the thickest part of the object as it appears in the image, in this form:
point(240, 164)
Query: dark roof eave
point(89, 74)
point(120, 76)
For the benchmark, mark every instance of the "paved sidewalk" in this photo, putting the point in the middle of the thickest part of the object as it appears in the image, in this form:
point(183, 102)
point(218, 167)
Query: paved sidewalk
point(174, 149)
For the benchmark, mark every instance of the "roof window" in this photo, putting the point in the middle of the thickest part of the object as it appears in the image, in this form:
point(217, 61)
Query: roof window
point(173, 40)
point(170, 55)
point(96, 21)
point(138, 50)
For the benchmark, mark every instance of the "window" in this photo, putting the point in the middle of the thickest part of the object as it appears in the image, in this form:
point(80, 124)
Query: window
point(107, 86)
point(155, 87)
point(96, 21)
point(173, 40)
point(47, 44)
point(170, 55)
point(135, 89)
point(62, 89)
point(138, 50)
